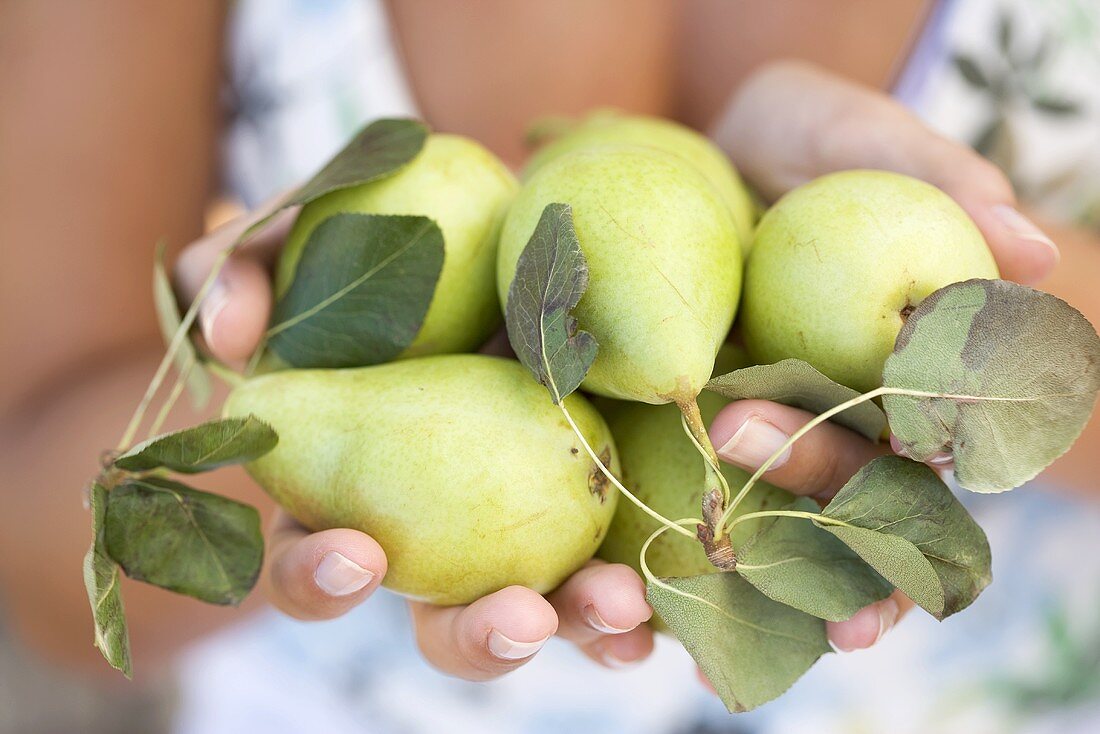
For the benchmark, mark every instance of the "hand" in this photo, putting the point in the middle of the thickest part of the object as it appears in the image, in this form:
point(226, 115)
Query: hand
point(791, 122)
point(601, 608)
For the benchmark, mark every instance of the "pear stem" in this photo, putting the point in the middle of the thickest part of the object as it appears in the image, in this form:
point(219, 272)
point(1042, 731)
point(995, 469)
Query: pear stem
point(818, 420)
point(618, 485)
point(173, 347)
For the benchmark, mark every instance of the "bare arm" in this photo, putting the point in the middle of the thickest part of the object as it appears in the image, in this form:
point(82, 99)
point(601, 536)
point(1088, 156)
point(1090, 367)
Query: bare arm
point(108, 140)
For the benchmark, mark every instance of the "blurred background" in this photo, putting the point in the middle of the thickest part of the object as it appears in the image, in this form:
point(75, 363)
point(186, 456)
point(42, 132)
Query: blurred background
point(124, 123)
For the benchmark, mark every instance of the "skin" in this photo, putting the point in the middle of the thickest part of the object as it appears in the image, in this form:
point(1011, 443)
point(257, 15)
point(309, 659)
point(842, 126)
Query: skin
point(664, 267)
point(465, 190)
point(840, 260)
point(352, 453)
point(68, 394)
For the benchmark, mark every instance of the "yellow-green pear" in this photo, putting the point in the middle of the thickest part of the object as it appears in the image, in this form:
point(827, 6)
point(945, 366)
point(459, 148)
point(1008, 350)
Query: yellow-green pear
point(466, 190)
point(613, 127)
point(839, 263)
point(458, 465)
point(663, 259)
point(662, 468)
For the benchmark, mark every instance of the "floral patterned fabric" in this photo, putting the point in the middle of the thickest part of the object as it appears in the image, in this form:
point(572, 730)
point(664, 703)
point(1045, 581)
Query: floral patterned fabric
point(1019, 80)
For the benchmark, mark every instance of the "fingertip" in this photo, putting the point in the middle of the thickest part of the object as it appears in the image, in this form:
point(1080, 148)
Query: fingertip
point(323, 575)
point(617, 651)
point(865, 628)
point(234, 314)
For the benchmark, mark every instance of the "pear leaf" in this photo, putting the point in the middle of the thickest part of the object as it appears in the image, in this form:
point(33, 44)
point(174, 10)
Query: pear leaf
point(378, 150)
point(751, 649)
point(203, 447)
point(169, 320)
point(361, 291)
point(903, 521)
point(101, 578)
point(799, 564)
point(1001, 376)
point(551, 275)
point(191, 542)
point(800, 385)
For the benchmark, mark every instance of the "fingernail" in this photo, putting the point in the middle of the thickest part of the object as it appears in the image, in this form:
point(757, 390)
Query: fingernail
point(754, 443)
point(595, 621)
point(508, 649)
point(887, 615)
point(337, 575)
point(1025, 229)
point(211, 307)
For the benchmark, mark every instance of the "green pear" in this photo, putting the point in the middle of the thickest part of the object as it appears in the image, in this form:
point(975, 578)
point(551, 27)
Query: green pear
point(839, 263)
point(663, 259)
point(466, 190)
point(612, 127)
point(458, 465)
point(662, 468)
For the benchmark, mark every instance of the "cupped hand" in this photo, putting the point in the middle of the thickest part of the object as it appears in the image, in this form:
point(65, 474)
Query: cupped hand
point(313, 576)
point(792, 122)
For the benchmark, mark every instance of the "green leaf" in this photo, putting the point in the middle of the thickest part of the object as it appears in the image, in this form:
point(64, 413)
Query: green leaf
point(1002, 376)
point(970, 71)
point(203, 447)
point(184, 540)
point(168, 317)
point(1056, 106)
point(101, 578)
point(360, 293)
point(551, 275)
point(376, 151)
point(798, 384)
point(795, 562)
point(752, 649)
point(902, 520)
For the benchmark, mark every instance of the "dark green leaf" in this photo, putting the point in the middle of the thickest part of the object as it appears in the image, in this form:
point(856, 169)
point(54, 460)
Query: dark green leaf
point(360, 293)
point(752, 649)
point(184, 540)
point(203, 447)
point(1005, 376)
point(1056, 106)
point(798, 384)
point(376, 151)
point(169, 319)
point(900, 518)
point(101, 578)
point(551, 275)
point(796, 563)
point(970, 71)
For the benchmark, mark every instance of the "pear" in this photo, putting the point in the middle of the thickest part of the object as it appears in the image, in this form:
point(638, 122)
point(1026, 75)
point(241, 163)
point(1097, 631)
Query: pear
point(663, 259)
point(661, 467)
point(458, 465)
point(612, 127)
point(466, 190)
point(838, 263)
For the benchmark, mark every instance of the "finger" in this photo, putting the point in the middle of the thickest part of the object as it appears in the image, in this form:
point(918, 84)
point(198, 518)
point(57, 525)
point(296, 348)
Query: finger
point(494, 635)
point(830, 124)
point(235, 311)
point(747, 432)
point(869, 624)
point(321, 575)
point(620, 650)
point(599, 600)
